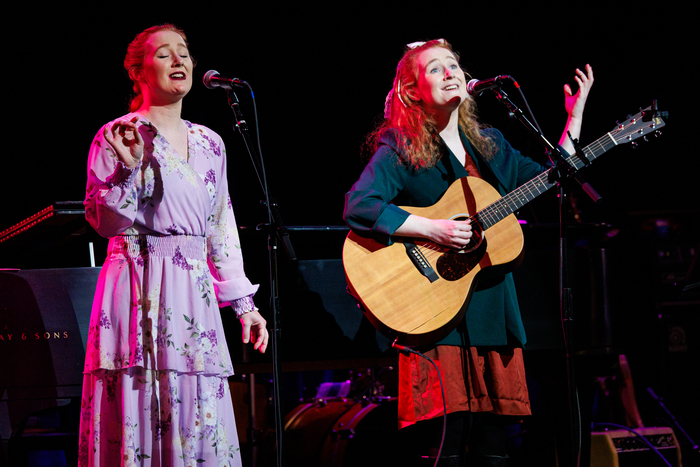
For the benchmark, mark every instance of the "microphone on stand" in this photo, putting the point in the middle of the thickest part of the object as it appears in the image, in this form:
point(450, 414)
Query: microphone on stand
point(212, 79)
point(475, 87)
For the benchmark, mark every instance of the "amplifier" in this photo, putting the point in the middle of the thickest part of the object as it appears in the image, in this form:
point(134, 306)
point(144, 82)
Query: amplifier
point(622, 448)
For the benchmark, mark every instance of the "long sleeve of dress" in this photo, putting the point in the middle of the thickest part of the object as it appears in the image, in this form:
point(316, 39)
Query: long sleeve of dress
point(111, 192)
point(224, 252)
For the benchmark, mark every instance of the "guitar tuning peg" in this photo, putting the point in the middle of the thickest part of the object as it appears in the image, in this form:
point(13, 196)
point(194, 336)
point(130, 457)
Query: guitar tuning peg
point(646, 139)
point(634, 145)
point(657, 134)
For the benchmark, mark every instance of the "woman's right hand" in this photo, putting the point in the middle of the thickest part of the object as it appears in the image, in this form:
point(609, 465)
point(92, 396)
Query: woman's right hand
point(453, 234)
point(449, 233)
point(255, 330)
point(126, 141)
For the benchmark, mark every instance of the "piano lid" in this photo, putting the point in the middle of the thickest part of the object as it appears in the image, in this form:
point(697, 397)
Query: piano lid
point(55, 237)
point(58, 214)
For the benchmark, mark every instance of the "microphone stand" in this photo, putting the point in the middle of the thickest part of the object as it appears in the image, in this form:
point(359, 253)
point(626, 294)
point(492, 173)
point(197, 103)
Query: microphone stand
point(694, 446)
point(276, 231)
point(561, 171)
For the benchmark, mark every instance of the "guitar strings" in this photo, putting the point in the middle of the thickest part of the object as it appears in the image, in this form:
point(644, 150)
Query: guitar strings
point(508, 204)
point(517, 198)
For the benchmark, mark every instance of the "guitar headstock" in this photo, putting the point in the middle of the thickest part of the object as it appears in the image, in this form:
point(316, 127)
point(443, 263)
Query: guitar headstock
point(641, 125)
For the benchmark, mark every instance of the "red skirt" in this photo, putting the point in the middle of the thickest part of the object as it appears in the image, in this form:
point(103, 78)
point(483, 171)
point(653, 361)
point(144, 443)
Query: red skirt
point(475, 379)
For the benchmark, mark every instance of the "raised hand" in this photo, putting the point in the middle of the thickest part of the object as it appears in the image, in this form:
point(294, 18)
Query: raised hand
point(575, 103)
point(126, 141)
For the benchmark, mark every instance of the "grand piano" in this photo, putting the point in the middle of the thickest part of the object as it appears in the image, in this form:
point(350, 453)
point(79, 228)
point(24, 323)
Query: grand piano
point(44, 318)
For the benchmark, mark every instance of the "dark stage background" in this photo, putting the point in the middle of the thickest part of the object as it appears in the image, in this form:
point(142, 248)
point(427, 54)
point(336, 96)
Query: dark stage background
point(320, 76)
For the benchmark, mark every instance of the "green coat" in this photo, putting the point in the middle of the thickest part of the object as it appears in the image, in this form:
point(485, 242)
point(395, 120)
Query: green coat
point(371, 209)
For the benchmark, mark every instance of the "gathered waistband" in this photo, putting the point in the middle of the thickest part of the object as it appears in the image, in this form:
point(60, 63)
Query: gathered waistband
point(135, 246)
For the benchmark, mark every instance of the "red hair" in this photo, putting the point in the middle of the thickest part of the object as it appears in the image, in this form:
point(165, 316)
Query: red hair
point(405, 115)
point(135, 54)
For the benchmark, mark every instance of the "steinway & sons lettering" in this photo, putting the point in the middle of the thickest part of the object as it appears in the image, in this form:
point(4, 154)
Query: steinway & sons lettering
point(36, 336)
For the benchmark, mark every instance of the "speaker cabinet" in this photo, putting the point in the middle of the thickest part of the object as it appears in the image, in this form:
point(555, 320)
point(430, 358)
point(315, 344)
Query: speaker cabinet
point(622, 448)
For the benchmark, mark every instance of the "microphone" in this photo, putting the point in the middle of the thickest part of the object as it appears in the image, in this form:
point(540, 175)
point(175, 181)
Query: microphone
point(475, 87)
point(212, 79)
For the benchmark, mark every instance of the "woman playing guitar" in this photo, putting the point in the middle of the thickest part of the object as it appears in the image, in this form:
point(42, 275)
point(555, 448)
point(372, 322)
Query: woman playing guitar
point(430, 138)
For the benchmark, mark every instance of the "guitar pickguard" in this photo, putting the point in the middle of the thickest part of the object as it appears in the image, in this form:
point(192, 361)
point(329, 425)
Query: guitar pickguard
point(453, 265)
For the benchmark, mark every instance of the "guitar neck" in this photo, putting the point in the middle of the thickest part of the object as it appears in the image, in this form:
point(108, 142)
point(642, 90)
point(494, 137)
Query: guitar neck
point(519, 197)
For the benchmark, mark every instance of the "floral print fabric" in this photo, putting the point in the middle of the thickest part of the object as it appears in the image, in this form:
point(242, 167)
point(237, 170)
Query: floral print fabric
point(140, 417)
point(155, 390)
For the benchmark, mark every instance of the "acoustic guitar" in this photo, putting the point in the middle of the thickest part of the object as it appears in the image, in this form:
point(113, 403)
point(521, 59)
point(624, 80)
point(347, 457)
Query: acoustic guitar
point(416, 290)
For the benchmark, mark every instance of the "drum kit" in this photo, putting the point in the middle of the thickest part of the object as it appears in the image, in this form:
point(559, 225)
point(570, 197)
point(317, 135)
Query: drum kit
point(347, 424)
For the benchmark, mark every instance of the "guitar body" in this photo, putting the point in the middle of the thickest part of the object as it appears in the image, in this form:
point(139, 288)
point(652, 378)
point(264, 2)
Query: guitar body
point(417, 291)
point(402, 302)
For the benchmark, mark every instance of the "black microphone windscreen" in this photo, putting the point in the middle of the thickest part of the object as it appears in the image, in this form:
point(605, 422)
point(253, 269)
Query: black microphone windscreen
point(207, 78)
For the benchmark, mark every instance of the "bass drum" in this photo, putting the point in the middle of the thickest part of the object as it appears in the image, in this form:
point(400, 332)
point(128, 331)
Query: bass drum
point(342, 432)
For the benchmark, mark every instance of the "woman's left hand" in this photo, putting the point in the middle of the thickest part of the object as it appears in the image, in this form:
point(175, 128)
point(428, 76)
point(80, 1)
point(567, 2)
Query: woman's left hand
point(255, 330)
point(575, 103)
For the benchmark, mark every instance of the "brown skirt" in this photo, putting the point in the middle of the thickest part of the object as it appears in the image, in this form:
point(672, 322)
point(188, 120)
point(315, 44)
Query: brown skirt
point(475, 379)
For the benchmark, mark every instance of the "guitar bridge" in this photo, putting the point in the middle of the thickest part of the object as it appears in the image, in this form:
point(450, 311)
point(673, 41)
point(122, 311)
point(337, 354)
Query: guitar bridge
point(420, 261)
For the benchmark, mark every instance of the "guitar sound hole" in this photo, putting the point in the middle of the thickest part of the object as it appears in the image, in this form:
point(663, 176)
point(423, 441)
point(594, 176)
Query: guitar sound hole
point(477, 233)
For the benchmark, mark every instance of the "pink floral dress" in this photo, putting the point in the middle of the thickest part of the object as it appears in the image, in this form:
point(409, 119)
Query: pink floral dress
point(155, 387)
